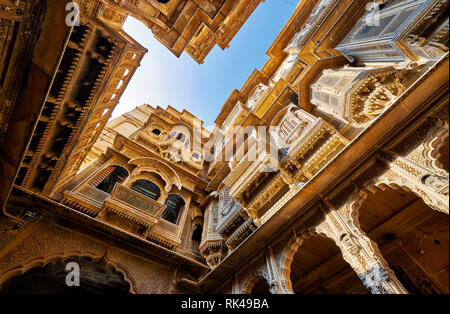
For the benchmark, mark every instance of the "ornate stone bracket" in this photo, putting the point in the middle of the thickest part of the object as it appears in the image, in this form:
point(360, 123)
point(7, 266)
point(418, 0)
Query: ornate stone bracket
point(214, 252)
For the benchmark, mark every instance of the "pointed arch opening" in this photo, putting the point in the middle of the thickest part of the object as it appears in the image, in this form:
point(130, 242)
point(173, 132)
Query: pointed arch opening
point(257, 284)
point(261, 287)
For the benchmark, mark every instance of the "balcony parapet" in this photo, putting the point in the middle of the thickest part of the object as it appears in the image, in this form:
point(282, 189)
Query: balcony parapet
point(264, 197)
point(236, 116)
point(323, 155)
point(259, 93)
point(166, 234)
point(88, 200)
point(133, 207)
point(305, 143)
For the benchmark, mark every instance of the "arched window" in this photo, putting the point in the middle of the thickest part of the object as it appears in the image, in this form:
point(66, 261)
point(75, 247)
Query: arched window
point(117, 176)
point(197, 233)
point(174, 205)
point(147, 188)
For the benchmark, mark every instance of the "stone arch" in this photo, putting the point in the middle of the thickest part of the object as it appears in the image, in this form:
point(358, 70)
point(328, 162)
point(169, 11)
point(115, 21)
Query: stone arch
point(351, 216)
point(42, 261)
point(288, 253)
point(253, 279)
point(394, 181)
point(436, 139)
point(102, 173)
point(152, 177)
point(147, 187)
point(351, 213)
point(356, 200)
point(152, 165)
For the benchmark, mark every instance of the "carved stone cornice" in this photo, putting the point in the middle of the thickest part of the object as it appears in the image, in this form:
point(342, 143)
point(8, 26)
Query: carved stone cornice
point(237, 215)
point(240, 234)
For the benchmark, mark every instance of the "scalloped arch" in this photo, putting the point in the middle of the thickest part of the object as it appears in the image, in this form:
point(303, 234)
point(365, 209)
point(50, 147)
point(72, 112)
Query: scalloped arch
point(167, 173)
point(40, 262)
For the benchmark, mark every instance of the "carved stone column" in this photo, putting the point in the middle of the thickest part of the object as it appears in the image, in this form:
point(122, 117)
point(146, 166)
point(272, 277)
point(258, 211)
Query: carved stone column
point(275, 287)
point(283, 257)
point(360, 252)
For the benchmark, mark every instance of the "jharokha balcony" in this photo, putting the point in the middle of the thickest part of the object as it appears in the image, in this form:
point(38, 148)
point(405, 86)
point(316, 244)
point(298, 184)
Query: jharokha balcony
point(124, 207)
point(127, 207)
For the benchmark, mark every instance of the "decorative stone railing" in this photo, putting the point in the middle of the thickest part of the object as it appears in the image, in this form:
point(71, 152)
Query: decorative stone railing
point(88, 199)
point(137, 200)
point(166, 234)
point(93, 193)
point(260, 203)
point(302, 140)
point(236, 115)
point(317, 16)
point(131, 210)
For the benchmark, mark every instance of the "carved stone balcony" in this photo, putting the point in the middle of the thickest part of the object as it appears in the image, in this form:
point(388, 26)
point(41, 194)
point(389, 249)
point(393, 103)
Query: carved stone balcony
point(259, 93)
point(231, 216)
point(131, 210)
point(88, 200)
point(309, 142)
point(240, 234)
point(257, 161)
point(166, 234)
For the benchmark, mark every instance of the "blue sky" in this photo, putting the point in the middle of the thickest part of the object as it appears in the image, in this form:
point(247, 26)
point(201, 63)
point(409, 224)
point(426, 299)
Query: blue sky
point(163, 79)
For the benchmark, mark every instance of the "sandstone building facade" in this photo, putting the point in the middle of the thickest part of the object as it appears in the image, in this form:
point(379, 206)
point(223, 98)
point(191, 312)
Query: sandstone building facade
point(346, 190)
